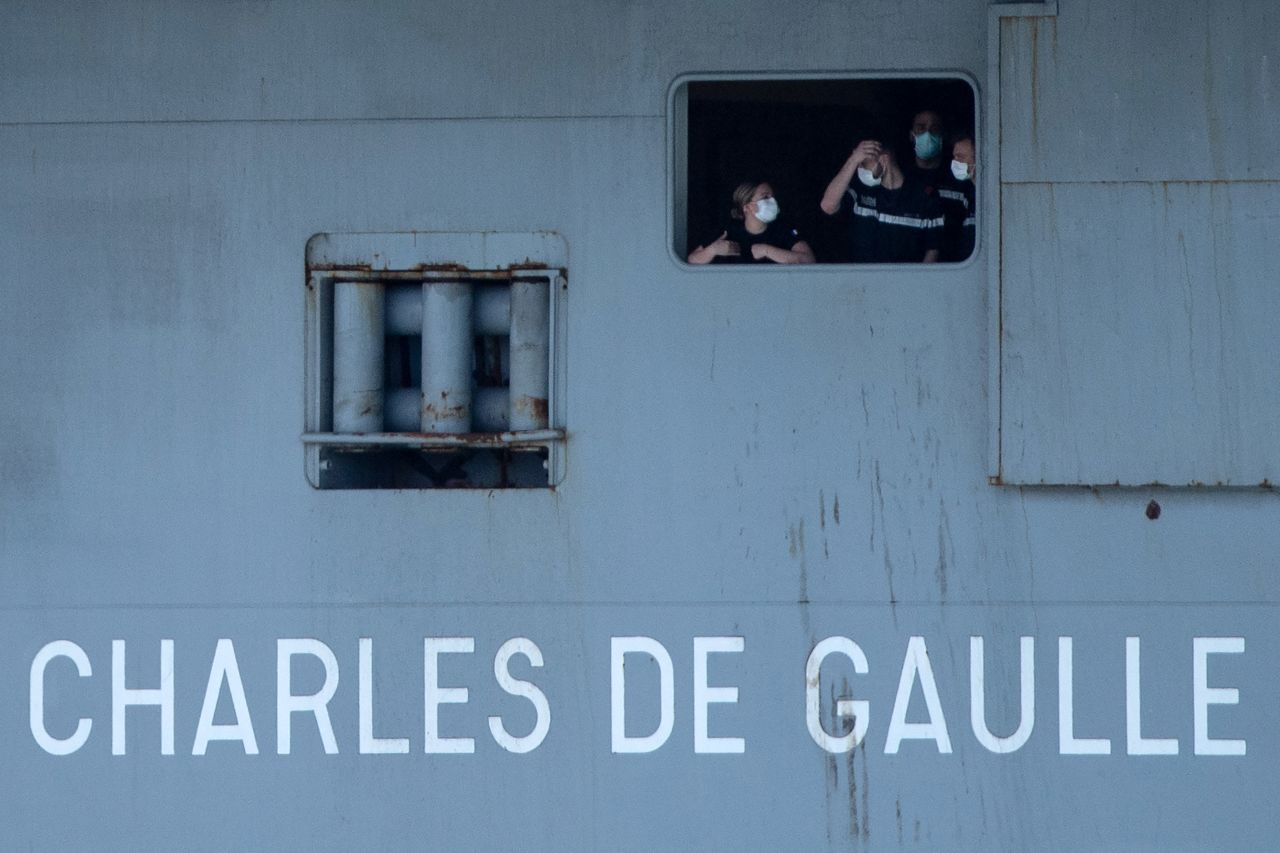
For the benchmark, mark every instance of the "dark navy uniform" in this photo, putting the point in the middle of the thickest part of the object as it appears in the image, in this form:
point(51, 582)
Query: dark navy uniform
point(960, 228)
point(893, 226)
point(780, 232)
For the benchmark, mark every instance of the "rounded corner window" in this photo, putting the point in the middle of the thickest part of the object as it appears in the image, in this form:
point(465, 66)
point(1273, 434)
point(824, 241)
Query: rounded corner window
point(824, 169)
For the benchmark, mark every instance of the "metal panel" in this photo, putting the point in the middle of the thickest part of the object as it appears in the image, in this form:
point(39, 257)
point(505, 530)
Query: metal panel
point(1135, 317)
point(1133, 281)
point(252, 61)
point(1142, 91)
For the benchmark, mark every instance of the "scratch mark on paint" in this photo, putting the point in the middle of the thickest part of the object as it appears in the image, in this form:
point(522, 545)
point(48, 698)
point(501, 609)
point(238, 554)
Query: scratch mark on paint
point(944, 539)
point(1026, 534)
point(795, 547)
point(855, 825)
point(888, 559)
point(866, 794)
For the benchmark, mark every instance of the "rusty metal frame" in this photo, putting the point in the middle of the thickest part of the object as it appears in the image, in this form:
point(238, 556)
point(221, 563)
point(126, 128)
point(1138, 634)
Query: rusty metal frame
point(348, 257)
point(366, 441)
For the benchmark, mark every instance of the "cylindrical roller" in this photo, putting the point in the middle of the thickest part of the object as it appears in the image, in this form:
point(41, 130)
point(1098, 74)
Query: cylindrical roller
point(357, 357)
point(493, 308)
point(488, 410)
point(447, 355)
point(530, 321)
point(489, 407)
point(404, 409)
point(404, 309)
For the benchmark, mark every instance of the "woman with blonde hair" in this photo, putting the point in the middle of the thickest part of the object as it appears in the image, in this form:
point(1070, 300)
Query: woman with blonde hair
point(755, 233)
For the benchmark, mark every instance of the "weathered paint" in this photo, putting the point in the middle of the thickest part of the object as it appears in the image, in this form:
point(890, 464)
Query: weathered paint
point(530, 319)
point(162, 170)
point(1140, 365)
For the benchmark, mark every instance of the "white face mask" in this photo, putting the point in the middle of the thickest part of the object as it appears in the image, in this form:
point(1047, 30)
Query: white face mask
point(868, 177)
point(766, 210)
point(960, 170)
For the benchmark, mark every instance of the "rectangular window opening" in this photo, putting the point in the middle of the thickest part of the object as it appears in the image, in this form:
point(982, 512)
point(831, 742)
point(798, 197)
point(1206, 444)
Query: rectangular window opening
point(427, 373)
point(741, 140)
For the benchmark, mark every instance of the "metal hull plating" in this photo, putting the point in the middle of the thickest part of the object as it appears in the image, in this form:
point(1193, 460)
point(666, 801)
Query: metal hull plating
point(908, 458)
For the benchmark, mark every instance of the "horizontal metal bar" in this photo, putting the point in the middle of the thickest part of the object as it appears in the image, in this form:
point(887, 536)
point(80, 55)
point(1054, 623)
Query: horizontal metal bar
point(1043, 9)
point(367, 441)
point(357, 274)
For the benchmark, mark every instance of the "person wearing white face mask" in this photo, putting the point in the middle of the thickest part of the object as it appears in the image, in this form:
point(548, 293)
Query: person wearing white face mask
point(958, 197)
point(893, 217)
point(755, 233)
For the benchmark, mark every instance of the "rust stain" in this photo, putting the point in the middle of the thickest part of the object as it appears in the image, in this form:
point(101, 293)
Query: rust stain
point(528, 264)
point(458, 441)
point(434, 412)
point(534, 407)
point(442, 266)
point(339, 268)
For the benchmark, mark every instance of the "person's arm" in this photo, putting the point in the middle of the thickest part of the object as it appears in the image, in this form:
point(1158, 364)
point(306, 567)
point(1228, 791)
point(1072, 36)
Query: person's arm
point(721, 246)
point(931, 256)
point(800, 253)
point(832, 198)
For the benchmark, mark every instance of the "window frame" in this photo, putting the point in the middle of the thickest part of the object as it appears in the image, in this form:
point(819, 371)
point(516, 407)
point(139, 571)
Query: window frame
point(677, 145)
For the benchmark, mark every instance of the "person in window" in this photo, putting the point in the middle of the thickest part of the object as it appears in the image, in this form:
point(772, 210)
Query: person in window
point(928, 165)
point(756, 233)
point(893, 217)
point(957, 196)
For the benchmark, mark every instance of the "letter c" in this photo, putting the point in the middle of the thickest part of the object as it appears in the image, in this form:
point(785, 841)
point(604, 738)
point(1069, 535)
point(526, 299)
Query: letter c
point(49, 743)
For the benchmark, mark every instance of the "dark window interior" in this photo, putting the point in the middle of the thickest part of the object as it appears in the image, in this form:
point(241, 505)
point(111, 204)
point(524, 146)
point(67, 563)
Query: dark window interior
point(796, 134)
